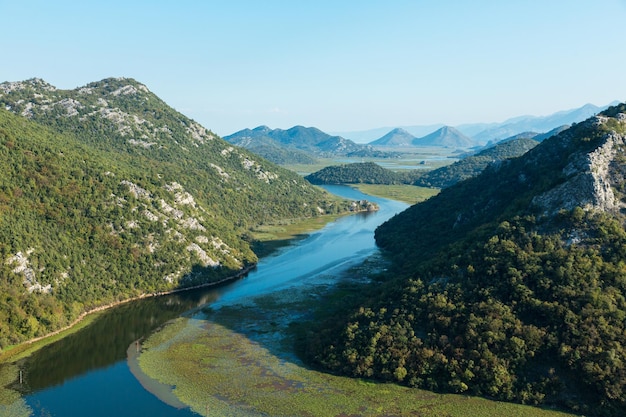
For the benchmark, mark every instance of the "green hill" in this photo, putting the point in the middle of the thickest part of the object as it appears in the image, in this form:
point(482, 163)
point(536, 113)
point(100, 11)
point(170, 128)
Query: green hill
point(107, 193)
point(470, 166)
point(509, 285)
point(355, 173)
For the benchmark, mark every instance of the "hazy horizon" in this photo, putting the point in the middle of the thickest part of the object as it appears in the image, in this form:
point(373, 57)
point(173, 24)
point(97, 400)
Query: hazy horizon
point(339, 66)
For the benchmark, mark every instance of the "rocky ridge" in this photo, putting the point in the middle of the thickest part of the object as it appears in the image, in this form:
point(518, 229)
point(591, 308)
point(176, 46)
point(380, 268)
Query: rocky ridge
point(105, 100)
point(107, 193)
point(590, 177)
point(583, 166)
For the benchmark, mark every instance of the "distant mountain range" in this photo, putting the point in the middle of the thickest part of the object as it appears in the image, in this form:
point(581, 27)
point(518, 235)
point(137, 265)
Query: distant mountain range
point(538, 124)
point(303, 145)
point(371, 135)
point(483, 133)
point(445, 136)
point(298, 144)
point(257, 141)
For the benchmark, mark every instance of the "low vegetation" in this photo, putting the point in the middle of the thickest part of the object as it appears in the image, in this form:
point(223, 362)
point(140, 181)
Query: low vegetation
point(239, 361)
point(11, 403)
point(409, 194)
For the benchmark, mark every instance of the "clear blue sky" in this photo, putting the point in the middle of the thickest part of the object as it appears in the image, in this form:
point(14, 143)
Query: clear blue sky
point(337, 65)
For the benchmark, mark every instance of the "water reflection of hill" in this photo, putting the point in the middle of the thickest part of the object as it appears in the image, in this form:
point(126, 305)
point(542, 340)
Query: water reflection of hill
point(105, 341)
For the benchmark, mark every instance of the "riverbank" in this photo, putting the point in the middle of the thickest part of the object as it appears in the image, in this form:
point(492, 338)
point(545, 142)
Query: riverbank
point(268, 239)
point(57, 377)
point(26, 348)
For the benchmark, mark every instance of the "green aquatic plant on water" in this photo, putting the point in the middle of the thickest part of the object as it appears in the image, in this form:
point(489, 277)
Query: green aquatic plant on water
point(235, 362)
point(11, 403)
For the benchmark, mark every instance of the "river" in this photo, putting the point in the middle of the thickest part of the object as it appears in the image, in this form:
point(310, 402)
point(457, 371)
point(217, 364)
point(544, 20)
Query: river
point(87, 373)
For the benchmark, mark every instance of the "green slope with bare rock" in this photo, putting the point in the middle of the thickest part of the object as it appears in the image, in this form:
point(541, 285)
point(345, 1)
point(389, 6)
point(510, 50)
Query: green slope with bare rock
point(107, 193)
point(509, 285)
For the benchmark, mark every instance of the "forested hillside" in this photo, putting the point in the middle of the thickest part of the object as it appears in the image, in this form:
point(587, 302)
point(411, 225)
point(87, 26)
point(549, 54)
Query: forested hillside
point(107, 193)
point(356, 173)
point(510, 285)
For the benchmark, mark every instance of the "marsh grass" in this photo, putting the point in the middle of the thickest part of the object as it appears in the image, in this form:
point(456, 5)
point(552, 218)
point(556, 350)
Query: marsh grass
point(238, 360)
point(423, 158)
point(17, 408)
point(11, 403)
point(410, 194)
point(267, 239)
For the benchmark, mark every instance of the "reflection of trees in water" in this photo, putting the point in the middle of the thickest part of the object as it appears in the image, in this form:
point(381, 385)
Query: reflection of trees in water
point(105, 341)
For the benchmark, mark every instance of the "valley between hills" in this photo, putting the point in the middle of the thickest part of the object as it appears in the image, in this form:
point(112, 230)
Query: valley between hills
point(505, 281)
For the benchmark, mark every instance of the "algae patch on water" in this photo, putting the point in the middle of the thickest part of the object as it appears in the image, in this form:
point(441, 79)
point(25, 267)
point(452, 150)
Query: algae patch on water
point(11, 403)
point(236, 361)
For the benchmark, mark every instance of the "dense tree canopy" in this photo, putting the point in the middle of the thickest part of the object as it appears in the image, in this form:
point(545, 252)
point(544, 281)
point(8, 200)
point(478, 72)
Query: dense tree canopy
point(492, 293)
point(356, 173)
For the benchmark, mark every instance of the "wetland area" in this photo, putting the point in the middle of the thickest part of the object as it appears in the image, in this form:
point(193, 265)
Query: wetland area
point(227, 351)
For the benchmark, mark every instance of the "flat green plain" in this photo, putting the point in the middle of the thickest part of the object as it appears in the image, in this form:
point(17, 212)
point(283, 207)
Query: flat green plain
point(410, 194)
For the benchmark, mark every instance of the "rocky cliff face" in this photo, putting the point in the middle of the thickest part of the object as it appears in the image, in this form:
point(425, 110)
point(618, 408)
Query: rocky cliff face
point(583, 166)
point(592, 178)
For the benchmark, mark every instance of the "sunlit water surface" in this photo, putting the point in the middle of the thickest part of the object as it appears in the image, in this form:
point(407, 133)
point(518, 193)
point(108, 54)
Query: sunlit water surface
point(87, 373)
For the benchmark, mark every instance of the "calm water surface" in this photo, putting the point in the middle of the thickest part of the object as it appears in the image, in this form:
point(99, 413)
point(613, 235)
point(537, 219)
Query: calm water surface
point(87, 374)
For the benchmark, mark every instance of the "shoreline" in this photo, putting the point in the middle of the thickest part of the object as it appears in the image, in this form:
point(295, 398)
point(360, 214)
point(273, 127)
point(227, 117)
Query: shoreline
point(15, 352)
point(7, 355)
point(247, 345)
